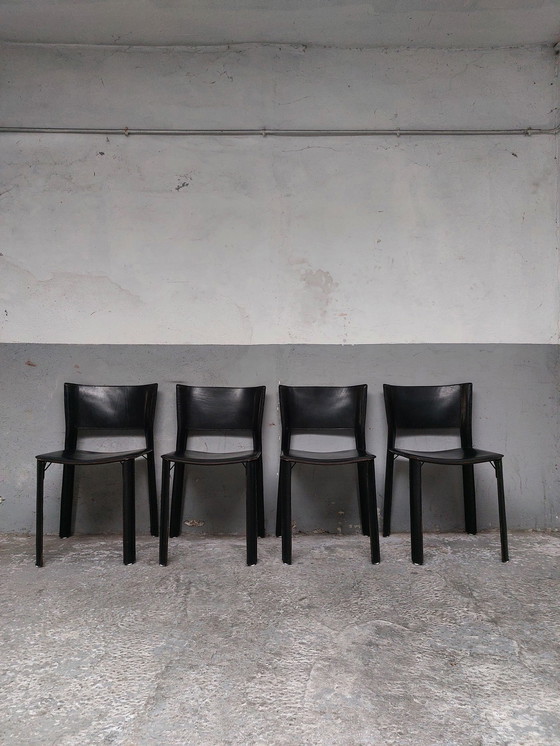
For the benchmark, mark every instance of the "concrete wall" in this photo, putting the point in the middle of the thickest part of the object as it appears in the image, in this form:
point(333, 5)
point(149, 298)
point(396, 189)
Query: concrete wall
point(204, 251)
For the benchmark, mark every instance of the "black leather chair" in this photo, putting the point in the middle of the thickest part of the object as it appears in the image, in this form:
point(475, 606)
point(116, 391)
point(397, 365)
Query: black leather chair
point(207, 409)
point(326, 408)
point(427, 409)
point(118, 409)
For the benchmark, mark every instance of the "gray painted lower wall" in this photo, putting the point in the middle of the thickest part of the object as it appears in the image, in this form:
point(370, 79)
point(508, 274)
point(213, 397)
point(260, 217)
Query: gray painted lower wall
point(515, 412)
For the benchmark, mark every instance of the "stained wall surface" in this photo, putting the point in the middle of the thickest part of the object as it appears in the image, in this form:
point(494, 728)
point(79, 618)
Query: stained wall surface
point(301, 259)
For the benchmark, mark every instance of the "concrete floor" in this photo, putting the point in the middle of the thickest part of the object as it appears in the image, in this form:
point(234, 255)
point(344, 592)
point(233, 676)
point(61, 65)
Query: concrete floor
point(332, 650)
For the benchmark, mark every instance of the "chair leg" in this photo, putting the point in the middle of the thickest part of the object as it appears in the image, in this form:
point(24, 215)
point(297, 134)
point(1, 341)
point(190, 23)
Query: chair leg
point(129, 518)
point(502, 511)
point(251, 512)
point(152, 494)
point(41, 466)
point(177, 496)
point(164, 518)
point(286, 511)
point(372, 514)
point(66, 500)
point(415, 468)
point(363, 494)
point(388, 494)
point(279, 504)
point(260, 498)
point(469, 498)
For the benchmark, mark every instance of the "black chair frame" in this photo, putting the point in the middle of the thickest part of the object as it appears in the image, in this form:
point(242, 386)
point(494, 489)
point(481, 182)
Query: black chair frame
point(436, 408)
point(215, 409)
point(326, 408)
point(118, 409)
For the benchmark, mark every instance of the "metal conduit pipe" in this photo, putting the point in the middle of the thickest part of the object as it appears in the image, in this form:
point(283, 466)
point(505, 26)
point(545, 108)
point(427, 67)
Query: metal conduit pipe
point(263, 132)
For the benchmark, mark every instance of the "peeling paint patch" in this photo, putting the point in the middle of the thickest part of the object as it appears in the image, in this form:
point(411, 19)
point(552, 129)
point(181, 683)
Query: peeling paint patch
point(321, 286)
point(193, 522)
point(246, 323)
point(319, 279)
point(183, 182)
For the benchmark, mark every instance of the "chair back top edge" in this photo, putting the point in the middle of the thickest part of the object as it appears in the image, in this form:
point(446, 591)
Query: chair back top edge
point(316, 408)
point(207, 408)
point(429, 408)
point(110, 407)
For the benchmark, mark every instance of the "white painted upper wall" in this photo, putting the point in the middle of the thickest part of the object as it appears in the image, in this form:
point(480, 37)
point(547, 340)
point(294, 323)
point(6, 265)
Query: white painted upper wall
point(276, 86)
point(278, 240)
point(353, 23)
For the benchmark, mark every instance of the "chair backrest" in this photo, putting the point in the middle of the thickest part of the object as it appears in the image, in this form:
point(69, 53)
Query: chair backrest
point(429, 408)
point(219, 408)
point(113, 408)
point(315, 408)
